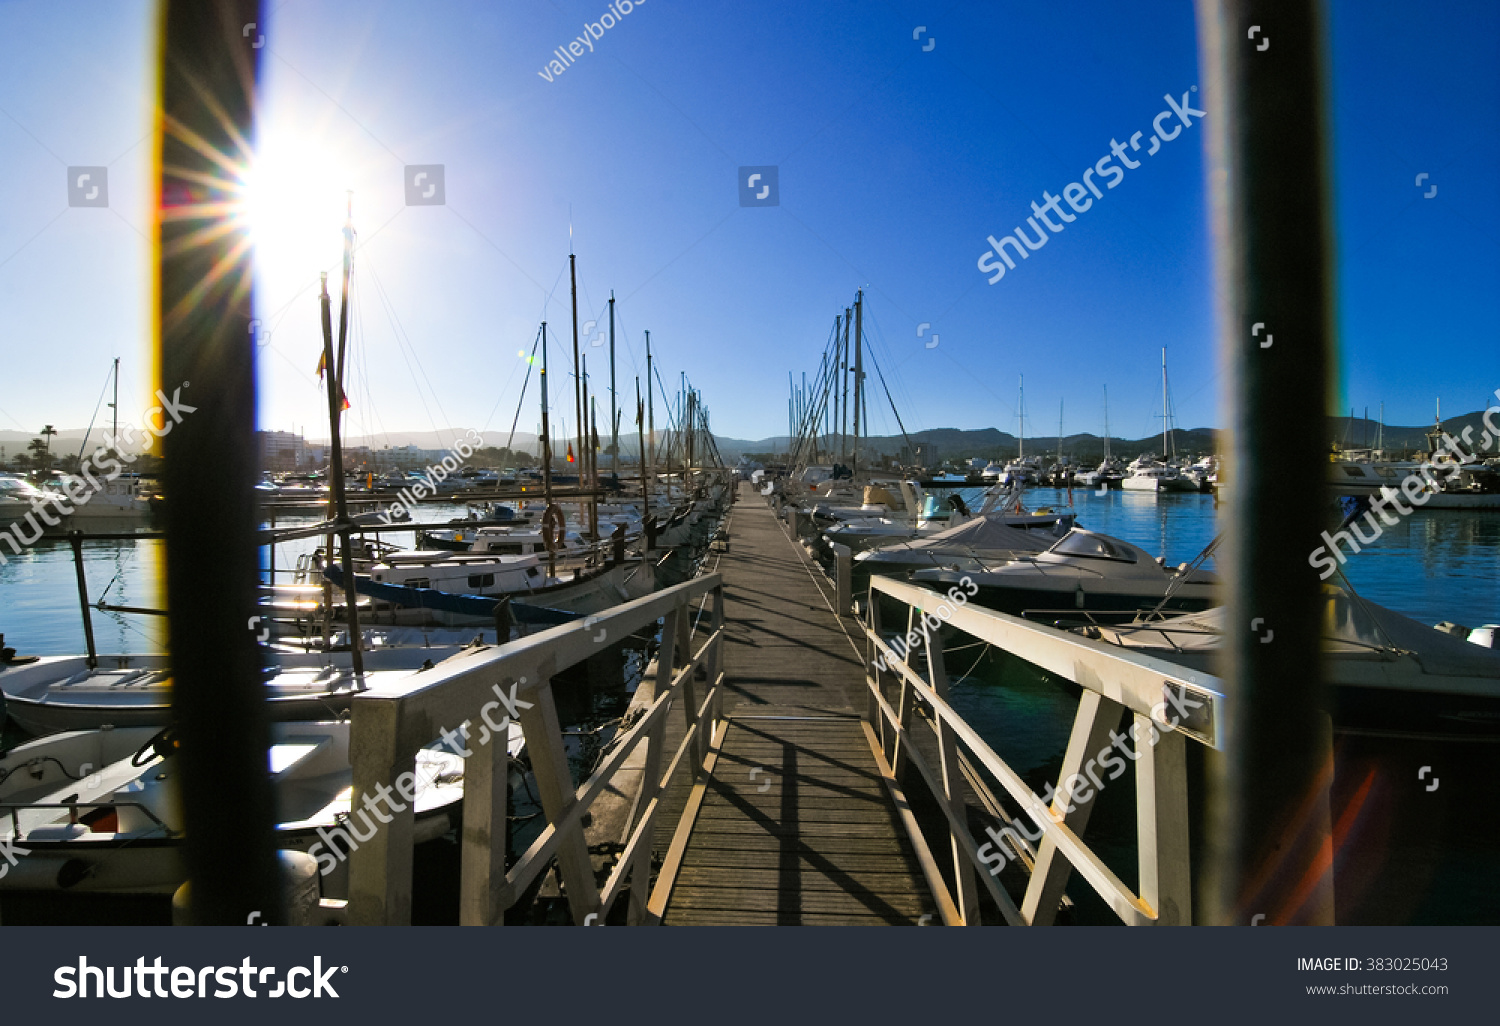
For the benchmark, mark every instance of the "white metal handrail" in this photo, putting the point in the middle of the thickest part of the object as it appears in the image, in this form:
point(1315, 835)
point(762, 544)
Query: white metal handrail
point(1113, 682)
point(390, 724)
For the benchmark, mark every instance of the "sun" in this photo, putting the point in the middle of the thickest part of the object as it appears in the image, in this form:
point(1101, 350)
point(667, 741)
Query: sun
point(296, 196)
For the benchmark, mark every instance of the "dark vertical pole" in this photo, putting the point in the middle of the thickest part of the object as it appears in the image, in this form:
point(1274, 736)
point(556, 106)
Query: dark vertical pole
point(650, 456)
point(1267, 828)
point(577, 369)
point(614, 402)
point(76, 539)
point(340, 502)
point(859, 375)
point(209, 470)
point(844, 382)
point(546, 447)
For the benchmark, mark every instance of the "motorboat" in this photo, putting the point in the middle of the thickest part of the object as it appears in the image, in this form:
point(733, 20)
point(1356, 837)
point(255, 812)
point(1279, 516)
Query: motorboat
point(19, 497)
point(977, 543)
point(1082, 570)
point(1108, 474)
point(99, 811)
point(1147, 474)
point(1389, 674)
point(65, 693)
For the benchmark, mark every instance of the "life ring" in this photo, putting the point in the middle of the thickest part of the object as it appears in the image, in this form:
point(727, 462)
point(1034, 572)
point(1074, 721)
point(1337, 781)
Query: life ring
point(554, 527)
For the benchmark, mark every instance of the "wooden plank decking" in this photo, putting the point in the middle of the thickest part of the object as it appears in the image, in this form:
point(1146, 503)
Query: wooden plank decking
point(796, 824)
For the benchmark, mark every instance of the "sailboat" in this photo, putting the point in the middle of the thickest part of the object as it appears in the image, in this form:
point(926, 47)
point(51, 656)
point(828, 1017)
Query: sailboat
point(1108, 473)
point(1149, 474)
point(122, 498)
point(1021, 470)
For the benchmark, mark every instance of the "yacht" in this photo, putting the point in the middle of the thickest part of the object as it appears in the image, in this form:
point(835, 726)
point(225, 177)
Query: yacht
point(1147, 474)
point(18, 497)
point(1390, 675)
point(1083, 571)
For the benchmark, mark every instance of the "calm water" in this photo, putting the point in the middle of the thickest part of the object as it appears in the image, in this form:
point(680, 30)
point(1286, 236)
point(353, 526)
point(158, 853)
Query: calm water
point(1410, 855)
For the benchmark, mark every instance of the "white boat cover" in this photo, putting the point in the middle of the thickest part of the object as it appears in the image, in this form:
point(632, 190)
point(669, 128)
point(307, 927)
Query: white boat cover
point(990, 532)
point(1352, 626)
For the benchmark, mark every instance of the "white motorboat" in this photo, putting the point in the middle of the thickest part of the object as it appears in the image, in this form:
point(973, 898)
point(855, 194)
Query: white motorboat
point(121, 499)
point(99, 810)
point(64, 693)
point(19, 497)
point(979, 542)
point(1389, 673)
point(1146, 474)
point(1083, 570)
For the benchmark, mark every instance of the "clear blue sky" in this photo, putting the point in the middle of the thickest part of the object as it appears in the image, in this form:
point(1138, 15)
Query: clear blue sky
point(895, 163)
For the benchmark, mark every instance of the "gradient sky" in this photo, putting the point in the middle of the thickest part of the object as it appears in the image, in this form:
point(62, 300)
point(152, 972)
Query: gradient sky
point(895, 163)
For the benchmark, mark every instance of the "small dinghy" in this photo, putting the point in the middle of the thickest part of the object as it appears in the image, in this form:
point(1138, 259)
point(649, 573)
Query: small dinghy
point(98, 811)
point(64, 693)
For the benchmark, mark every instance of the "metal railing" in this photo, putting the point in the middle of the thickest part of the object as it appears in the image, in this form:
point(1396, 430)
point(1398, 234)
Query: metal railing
point(1113, 684)
point(391, 724)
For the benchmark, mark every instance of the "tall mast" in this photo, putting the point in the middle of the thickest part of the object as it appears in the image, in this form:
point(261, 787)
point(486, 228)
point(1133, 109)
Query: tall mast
point(115, 406)
point(614, 413)
point(640, 441)
point(344, 300)
point(1106, 422)
point(1021, 420)
point(834, 382)
point(546, 447)
point(577, 365)
point(1164, 403)
point(587, 471)
point(844, 385)
point(1059, 429)
point(649, 457)
point(340, 505)
point(859, 373)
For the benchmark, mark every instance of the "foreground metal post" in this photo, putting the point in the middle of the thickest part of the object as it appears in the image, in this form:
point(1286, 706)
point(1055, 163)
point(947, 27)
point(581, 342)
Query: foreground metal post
point(1267, 831)
point(207, 360)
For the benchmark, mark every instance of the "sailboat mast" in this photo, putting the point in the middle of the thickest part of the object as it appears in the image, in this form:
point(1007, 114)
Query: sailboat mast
point(1164, 403)
point(859, 373)
point(577, 366)
point(614, 412)
point(1106, 422)
point(648, 458)
point(640, 441)
point(1021, 420)
point(545, 445)
point(340, 504)
point(844, 383)
point(344, 300)
point(115, 406)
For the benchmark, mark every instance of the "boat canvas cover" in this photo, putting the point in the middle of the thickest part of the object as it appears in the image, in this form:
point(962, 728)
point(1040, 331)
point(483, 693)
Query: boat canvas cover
point(1351, 626)
point(989, 533)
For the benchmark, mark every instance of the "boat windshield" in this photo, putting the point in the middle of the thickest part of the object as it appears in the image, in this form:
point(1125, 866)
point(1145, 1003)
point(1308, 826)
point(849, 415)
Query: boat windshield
point(16, 488)
point(1091, 546)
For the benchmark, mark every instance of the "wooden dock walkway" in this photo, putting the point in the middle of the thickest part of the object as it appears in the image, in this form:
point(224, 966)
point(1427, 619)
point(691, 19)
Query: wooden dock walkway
point(799, 820)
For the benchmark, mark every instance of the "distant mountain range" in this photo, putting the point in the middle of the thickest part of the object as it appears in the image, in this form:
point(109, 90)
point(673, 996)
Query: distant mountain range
point(945, 443)
point(990, 443)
